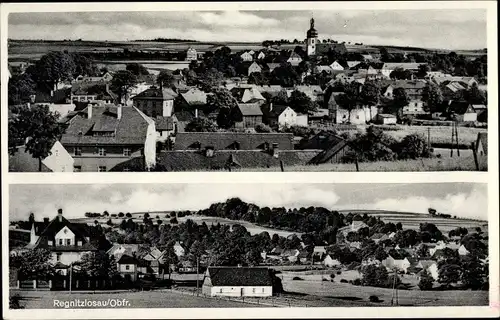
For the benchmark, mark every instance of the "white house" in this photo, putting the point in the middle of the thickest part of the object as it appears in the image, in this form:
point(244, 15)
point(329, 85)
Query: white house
point(383, 118)
point(336, 66)
point(430, 266)
point(399, 264)
point(254, 67)
point(294, 59)
point(261, 55)
point(59, 159)
point(66, 241)
point(356, 116)
point(463, 251)
point(330, 262)
point(414, 107)
point(179, 249)
point(284, 116)
point(246, 56)
point(237, 282)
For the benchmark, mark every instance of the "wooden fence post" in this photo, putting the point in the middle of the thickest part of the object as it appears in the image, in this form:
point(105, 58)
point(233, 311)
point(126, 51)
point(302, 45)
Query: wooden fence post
point(357, 165)
point(475, 156)
point(282, 166)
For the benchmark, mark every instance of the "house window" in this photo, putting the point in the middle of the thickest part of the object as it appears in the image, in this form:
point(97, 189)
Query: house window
point(50, 243)
point(58, 257)
point(78, 151)
point(262, 290)
point(77, 168)
point(220, 290)
point(101, 152)
point(60, 242)
point(126, 152)
point(101, 169)
point(79, 243)
point(127, 267)
point(253, 290)
point(68, 242)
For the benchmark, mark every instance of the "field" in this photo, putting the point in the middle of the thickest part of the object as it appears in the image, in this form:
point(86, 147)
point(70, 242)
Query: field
point(439, 134)
point(462, 163)
point(144, 299)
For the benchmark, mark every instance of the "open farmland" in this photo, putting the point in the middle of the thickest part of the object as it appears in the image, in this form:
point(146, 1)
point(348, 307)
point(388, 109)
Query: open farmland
point(335, 293)
point(439, 134)
point(463, 163)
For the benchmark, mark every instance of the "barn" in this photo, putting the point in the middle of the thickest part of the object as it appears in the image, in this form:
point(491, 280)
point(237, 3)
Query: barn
point(238, 282)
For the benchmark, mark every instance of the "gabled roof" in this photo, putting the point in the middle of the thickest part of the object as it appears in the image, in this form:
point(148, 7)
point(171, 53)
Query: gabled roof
point(155, 93)
point(23, 161)
point(242, 94)
point(239, 276)
point(195, 96)
point(221, 140)
point(126, 259)
point(184, 116)
point(250, 109)
point(460, 107)
point(483, 138)
point(295, 55)
point(131, 128)
point(164, 123)
point(100, 89)
point(403, 65)
point(277, 110)
point(455, 86)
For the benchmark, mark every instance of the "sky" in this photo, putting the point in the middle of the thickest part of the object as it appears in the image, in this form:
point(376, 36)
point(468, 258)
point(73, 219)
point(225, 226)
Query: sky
point(460, 199)
point(431, 28)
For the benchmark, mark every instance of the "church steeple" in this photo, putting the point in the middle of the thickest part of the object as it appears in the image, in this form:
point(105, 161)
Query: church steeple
point(312, 23)
point(312, 39)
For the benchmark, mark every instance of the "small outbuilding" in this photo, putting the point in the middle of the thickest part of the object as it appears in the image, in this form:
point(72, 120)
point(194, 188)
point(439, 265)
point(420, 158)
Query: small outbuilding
point(238, 282)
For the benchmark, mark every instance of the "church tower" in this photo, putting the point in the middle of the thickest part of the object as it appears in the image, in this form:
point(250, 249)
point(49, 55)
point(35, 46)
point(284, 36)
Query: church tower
point(312, 39)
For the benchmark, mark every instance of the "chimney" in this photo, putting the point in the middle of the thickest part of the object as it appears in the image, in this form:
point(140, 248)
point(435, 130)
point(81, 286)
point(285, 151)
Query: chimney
point(59, 214)
point(119, 111)
point(209, 151)
point(274, 150)
point(89, 111)
point(46, 221)
point(196, 113)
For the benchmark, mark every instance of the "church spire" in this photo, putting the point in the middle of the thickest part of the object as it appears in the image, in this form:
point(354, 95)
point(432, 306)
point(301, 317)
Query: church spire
point(312, 23)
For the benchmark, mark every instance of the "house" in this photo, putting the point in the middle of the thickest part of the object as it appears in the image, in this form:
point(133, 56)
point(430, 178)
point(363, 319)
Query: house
point(467, 81)
point(67, 242)
point(261, 55)
point(246, 95)
point(102, 136)
point(389, 67)
point(319, 251)
point(251, 115)
point(272, 66)
point(481, 111)
point(482, 144)
point(191, 54)
point(238, 282)
point(294, 59)
point(330, 262)
point(318, 116)
point(179, 249)
point(246, 56)
point(254, 67)
point(336, 66)
point(399, 264)
point(107, 77)
point(291, 255)
point(367, 57)
point(462, 111)
point(314, 92)
point(155, 102)
point(352, 64)
point(430, 266)
point(360, 115)
point(284, 116)
point(462, 250)
point(87, 92)
point(452, 88)
point(304, 257)
point(413, 88)
point(384, 118)
point(119, 249)
point(59, 160)
point(193, 99)
point(333, 147)
point(128, 267)
point(232, 141)
point(413, 108)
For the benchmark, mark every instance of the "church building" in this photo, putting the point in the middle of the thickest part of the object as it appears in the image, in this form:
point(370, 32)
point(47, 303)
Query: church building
point(312, 39)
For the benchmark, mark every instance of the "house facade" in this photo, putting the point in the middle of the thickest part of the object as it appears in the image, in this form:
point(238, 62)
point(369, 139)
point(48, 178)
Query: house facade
point(102, 136)
point(254, 67)
point(191, 54)
point(246, 56)
point(251, 115)
point(237, 282)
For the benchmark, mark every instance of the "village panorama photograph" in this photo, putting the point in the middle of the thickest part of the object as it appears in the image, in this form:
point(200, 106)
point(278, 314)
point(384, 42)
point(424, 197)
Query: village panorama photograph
point(262, 90)
point(248, 245)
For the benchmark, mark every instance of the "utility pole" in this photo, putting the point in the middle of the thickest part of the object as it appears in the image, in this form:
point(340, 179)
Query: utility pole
point(452, 138)
point(456, 137)
point(393, 286)
point(197, 274)
point(429, 137)
point(70, 275)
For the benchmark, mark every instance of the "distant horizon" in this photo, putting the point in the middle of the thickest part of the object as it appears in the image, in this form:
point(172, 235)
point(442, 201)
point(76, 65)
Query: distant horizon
point(465, 200)
point(237, 42)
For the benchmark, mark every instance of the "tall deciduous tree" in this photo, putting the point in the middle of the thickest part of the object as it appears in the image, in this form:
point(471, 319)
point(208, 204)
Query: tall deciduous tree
point(137, 69)
point(34, 263)
point(370, 94)
point(99, 264)
point(201, 125)
point(20, 89)
point(165, 78)
point(432, 97)
point(37, 126)
point(301, 103)
point(122, 81)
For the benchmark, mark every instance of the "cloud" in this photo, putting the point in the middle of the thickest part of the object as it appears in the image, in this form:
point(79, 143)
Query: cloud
point(467, 205)
point(456, 28)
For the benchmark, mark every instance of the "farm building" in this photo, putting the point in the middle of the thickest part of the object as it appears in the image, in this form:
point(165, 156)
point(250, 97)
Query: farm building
point(383, 118)
point(482, 143)
point(238, 282)
point(330, 262)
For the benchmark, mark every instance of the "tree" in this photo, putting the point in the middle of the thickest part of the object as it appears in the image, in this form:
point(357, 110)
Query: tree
point(301, 103)
point(285, 75)
point(426, 281)
point(223, 101)
point(20, 89)
point(281, 98)
point(380, 254)
point(349, 100)
point(432, 97)
point(122, 81)
point(128, 215)
point(449, 273)
point(38, 127)
point(52, 68)
point(422, 70)
point(120, 214)
point(32, 263)
point(262, 128)
point(211, 79)
point(374, 276)
point(84, 65)
point(400, 98)
point(137, 69)
point(99, 264)
point(423, 250)
point(401, 74)
point(473, 272)
point(414, 146)
point(201, 125)
point(475, 96)
point(370, 94)
point(165, 78)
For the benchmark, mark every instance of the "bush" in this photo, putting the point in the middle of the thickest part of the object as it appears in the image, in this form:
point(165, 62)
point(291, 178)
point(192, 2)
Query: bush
point(174, 221)
point(332, 276)
point(297, 278)
point(343, 281)
point(339, 272)
point(413, 146)
point(356, 282)
point(262, 128)
point(14, 302)
point(374, 299)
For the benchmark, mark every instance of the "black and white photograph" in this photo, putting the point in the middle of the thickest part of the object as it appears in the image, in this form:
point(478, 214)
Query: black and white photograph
point(248, 245)
point(248, 90)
